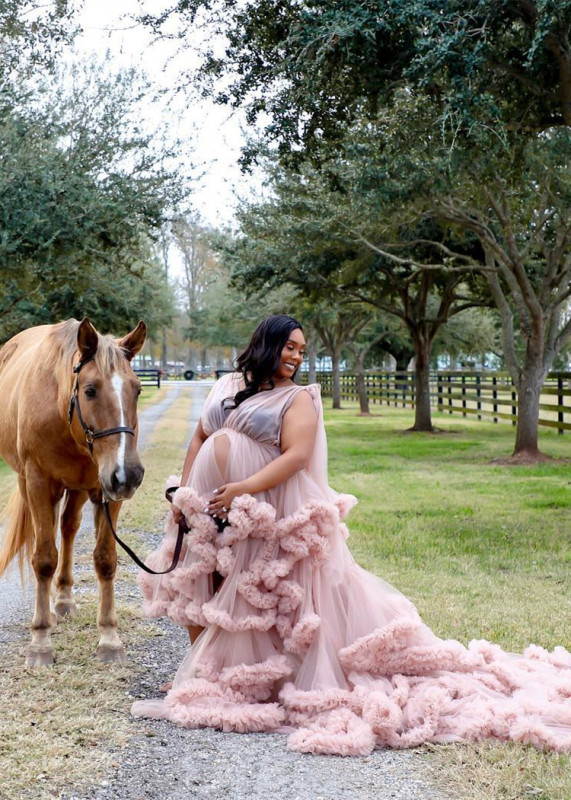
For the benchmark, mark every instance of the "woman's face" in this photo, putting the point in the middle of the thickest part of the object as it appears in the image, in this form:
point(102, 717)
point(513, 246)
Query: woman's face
point(292, 355)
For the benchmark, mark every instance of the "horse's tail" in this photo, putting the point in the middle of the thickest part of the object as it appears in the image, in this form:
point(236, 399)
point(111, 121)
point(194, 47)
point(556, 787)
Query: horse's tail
point(18, 535)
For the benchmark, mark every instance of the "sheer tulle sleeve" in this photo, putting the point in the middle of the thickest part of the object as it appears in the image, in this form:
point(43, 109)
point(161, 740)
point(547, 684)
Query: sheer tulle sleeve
point(318, 462)
point(212, 415)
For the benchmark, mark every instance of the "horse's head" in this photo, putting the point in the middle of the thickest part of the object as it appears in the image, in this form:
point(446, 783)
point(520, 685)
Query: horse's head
point(105, 407)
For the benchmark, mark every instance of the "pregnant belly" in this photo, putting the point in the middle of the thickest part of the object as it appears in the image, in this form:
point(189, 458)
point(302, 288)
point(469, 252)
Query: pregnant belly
point(228, 456)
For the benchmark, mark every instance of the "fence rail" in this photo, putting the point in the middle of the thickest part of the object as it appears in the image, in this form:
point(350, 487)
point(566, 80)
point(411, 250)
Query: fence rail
point(489, 395)
point(149, 377)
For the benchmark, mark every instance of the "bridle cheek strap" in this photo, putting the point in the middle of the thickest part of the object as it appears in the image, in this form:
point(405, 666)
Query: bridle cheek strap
point(90, 434)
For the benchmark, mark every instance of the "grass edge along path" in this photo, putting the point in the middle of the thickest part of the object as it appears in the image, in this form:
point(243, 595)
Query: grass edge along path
point(65, 726)
point(483, 551)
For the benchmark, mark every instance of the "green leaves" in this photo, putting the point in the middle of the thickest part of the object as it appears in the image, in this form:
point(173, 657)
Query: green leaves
point(31, 34)
point(307, 69)
point(82, 192)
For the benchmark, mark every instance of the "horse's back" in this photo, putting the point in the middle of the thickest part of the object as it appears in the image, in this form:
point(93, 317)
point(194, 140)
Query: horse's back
point(21, 349)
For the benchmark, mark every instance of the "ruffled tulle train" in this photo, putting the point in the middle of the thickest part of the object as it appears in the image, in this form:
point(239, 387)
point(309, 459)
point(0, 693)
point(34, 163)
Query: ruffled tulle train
point(299, 639)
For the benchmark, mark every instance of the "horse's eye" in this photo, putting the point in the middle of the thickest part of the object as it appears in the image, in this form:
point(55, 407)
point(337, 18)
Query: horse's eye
point(89, 391)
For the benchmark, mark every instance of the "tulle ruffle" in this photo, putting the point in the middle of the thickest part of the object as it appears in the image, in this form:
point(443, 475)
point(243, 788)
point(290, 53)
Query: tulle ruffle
point(271, 596)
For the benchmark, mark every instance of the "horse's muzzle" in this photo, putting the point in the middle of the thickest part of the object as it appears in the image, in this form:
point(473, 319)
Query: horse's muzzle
point(123, 482)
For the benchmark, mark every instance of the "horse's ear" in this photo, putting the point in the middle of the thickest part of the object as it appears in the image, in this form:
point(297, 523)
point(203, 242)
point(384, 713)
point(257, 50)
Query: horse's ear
point(87, 339)
point(133, 342)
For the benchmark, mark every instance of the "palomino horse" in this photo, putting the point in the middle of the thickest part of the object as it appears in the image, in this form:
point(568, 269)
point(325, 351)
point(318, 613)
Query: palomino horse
point(68, 427)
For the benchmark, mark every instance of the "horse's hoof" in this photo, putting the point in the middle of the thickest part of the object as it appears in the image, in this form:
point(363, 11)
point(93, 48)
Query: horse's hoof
point(109, 653)
point(65, 608)
point(38, 656)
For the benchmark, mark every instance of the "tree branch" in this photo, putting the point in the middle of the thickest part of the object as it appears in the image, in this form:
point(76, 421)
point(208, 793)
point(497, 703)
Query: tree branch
point(409, 262)
point(506, 315)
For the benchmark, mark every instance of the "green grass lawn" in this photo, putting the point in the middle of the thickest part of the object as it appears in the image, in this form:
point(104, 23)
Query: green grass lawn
point(483, 550)
point(4, 469)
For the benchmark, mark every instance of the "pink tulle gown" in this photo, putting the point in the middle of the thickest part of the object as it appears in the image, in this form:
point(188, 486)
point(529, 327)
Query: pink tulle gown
point(301, 640)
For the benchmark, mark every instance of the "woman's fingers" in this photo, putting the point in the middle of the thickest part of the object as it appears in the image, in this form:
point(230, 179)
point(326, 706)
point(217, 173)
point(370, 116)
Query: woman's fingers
point(219, 505)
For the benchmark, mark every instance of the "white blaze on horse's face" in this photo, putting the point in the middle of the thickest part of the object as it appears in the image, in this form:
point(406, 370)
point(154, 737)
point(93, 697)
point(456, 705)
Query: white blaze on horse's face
point(120, 469)
point(110, 401)
point(117, 383)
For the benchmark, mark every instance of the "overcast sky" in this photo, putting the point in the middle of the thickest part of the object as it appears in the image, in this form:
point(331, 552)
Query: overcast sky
point(212, 131)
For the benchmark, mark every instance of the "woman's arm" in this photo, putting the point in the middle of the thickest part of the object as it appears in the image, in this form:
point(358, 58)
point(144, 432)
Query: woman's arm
point(198, 439)
point(299, 428)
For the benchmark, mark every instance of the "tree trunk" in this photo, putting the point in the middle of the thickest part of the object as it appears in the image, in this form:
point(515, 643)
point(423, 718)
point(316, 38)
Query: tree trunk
point(529, 383)
point(529, 393)
point(402, 355)
point(402, 362)
point(361, 388)
point(164, 353)
point(336, 382)
point(422, 411)
point(312, 364)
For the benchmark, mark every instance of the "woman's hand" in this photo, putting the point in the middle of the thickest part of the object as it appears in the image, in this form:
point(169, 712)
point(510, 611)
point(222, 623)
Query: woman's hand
point(177, 513)
point(221, 500)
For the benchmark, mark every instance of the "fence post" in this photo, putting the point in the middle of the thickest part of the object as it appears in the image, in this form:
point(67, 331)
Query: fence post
point(479, 397)
point(560, 412)
point(439, 391)
point(463, 394)
point(495, 396)
point(514, 407)
point(449, 394)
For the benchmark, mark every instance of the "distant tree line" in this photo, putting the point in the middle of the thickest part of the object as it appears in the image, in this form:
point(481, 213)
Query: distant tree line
point(417, 199)
point(418, 162)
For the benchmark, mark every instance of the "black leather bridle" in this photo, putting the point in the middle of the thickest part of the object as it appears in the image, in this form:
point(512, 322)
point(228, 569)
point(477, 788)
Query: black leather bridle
point(90, 437)
point(90, 434)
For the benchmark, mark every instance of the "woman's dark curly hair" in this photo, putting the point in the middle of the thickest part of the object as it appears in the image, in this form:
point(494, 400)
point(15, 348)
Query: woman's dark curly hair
point(260, 360)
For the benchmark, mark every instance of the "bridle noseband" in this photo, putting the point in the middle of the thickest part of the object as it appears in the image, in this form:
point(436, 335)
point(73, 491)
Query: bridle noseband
point(90, 434)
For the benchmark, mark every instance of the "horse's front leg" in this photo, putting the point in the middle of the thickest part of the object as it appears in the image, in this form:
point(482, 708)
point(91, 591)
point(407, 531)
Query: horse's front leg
point(70, 522)
point(110, 647)
point(42, 501)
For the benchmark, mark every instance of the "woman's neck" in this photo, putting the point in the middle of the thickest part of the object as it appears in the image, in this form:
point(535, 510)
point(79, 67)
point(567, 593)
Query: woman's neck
point(274, 382)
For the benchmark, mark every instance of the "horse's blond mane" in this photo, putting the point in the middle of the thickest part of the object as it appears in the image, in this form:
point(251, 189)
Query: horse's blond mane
point(108, 356)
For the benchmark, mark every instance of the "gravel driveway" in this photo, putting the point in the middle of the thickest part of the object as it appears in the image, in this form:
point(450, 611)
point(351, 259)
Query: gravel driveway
point(164, 762)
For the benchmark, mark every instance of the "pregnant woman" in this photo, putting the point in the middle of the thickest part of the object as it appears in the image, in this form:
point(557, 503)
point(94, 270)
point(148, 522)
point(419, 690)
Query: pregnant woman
point(289, 633)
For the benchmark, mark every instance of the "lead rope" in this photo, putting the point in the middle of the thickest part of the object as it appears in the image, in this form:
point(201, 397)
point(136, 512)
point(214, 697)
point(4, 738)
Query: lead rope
point(183, 529)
